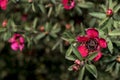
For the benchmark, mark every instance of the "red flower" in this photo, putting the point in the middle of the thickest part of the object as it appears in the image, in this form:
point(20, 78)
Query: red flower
point(68, 4)
point(91, 43)
point(3, 4)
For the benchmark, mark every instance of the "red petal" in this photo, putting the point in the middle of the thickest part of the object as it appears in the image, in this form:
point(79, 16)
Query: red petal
point(81, 38)
point(83, 51)
point(102, 43)
point(98, 56)
point(91, 32)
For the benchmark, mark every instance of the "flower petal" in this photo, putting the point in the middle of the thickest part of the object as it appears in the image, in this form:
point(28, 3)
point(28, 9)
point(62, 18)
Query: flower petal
point(92, 33)
point(21, 46)
point(3, 4)
point(83, 50)
point(99, 55)
point(21, 39)
point(82, 38)
point(15, 46)
point(102, 43)
point(12, 39)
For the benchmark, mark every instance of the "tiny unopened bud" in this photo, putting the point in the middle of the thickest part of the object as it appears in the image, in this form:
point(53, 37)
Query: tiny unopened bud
point(75, 67)
point(109, 12)
point(42, 29)
point(118, 59)
point(77, 62)
point(4, 23)
point(66, 43)
point(67, 26)
point(30, 1)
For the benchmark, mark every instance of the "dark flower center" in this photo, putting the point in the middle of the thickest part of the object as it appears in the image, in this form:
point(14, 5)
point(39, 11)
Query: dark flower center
point(92, 44)
point(69, 2)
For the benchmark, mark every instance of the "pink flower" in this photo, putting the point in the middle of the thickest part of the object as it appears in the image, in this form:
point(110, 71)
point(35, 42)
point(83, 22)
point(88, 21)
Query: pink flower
point(91, 43)
point(17, 42)
point(3, 4)
point(68, 4)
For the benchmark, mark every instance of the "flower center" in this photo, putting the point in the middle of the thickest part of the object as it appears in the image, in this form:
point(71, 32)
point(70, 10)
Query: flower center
point(69, 2)
point(92, 44)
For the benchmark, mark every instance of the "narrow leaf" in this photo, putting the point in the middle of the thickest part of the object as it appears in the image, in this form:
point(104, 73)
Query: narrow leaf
point(98, 15)
point(77, 54)
point(110, 45)
point(92, 56)
point(114, 33)
point(42, 8)
point(39, 36)
point(92, 69)
point(50, 11)
point(81, 73)
point(71, 58)
point(35, 23)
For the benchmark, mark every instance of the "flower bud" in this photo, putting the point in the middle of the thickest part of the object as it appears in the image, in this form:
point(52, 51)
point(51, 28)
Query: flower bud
point(4, 23)
point(109, 12)
point(77, 62)
point(75, 67)
point(118, 59)
point(67, 26)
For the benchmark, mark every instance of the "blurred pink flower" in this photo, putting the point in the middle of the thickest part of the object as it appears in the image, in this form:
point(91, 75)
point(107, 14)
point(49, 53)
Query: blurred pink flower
point(3, 4)
point(17, 42)
point(68, 4)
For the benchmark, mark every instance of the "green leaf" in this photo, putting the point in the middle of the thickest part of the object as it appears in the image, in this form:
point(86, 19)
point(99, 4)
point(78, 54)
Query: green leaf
point(98, 15)
point(114, 33)
point(86, 5)
point(39, 36)
point(110, 4)
point(110, 67)
point(116, 17)
point(110, 45)
point(103, 21)
point(69, 51)
point(71, 58)
point(92, 69)
point(50, 11)
point(53, 1)
point(77, 54)
point(33, 7)
point(2, 29)
point(117, 68)
point(42, 8)
point(56, 44)
point(117, 8)
point(92, 56)
point(58, 9)
point(116, 24)
point(70, 68)
point(81, 73)
point(117, 42)
point(35, 23)
point(109, 59)
point(68, 54)
point(103, 7)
